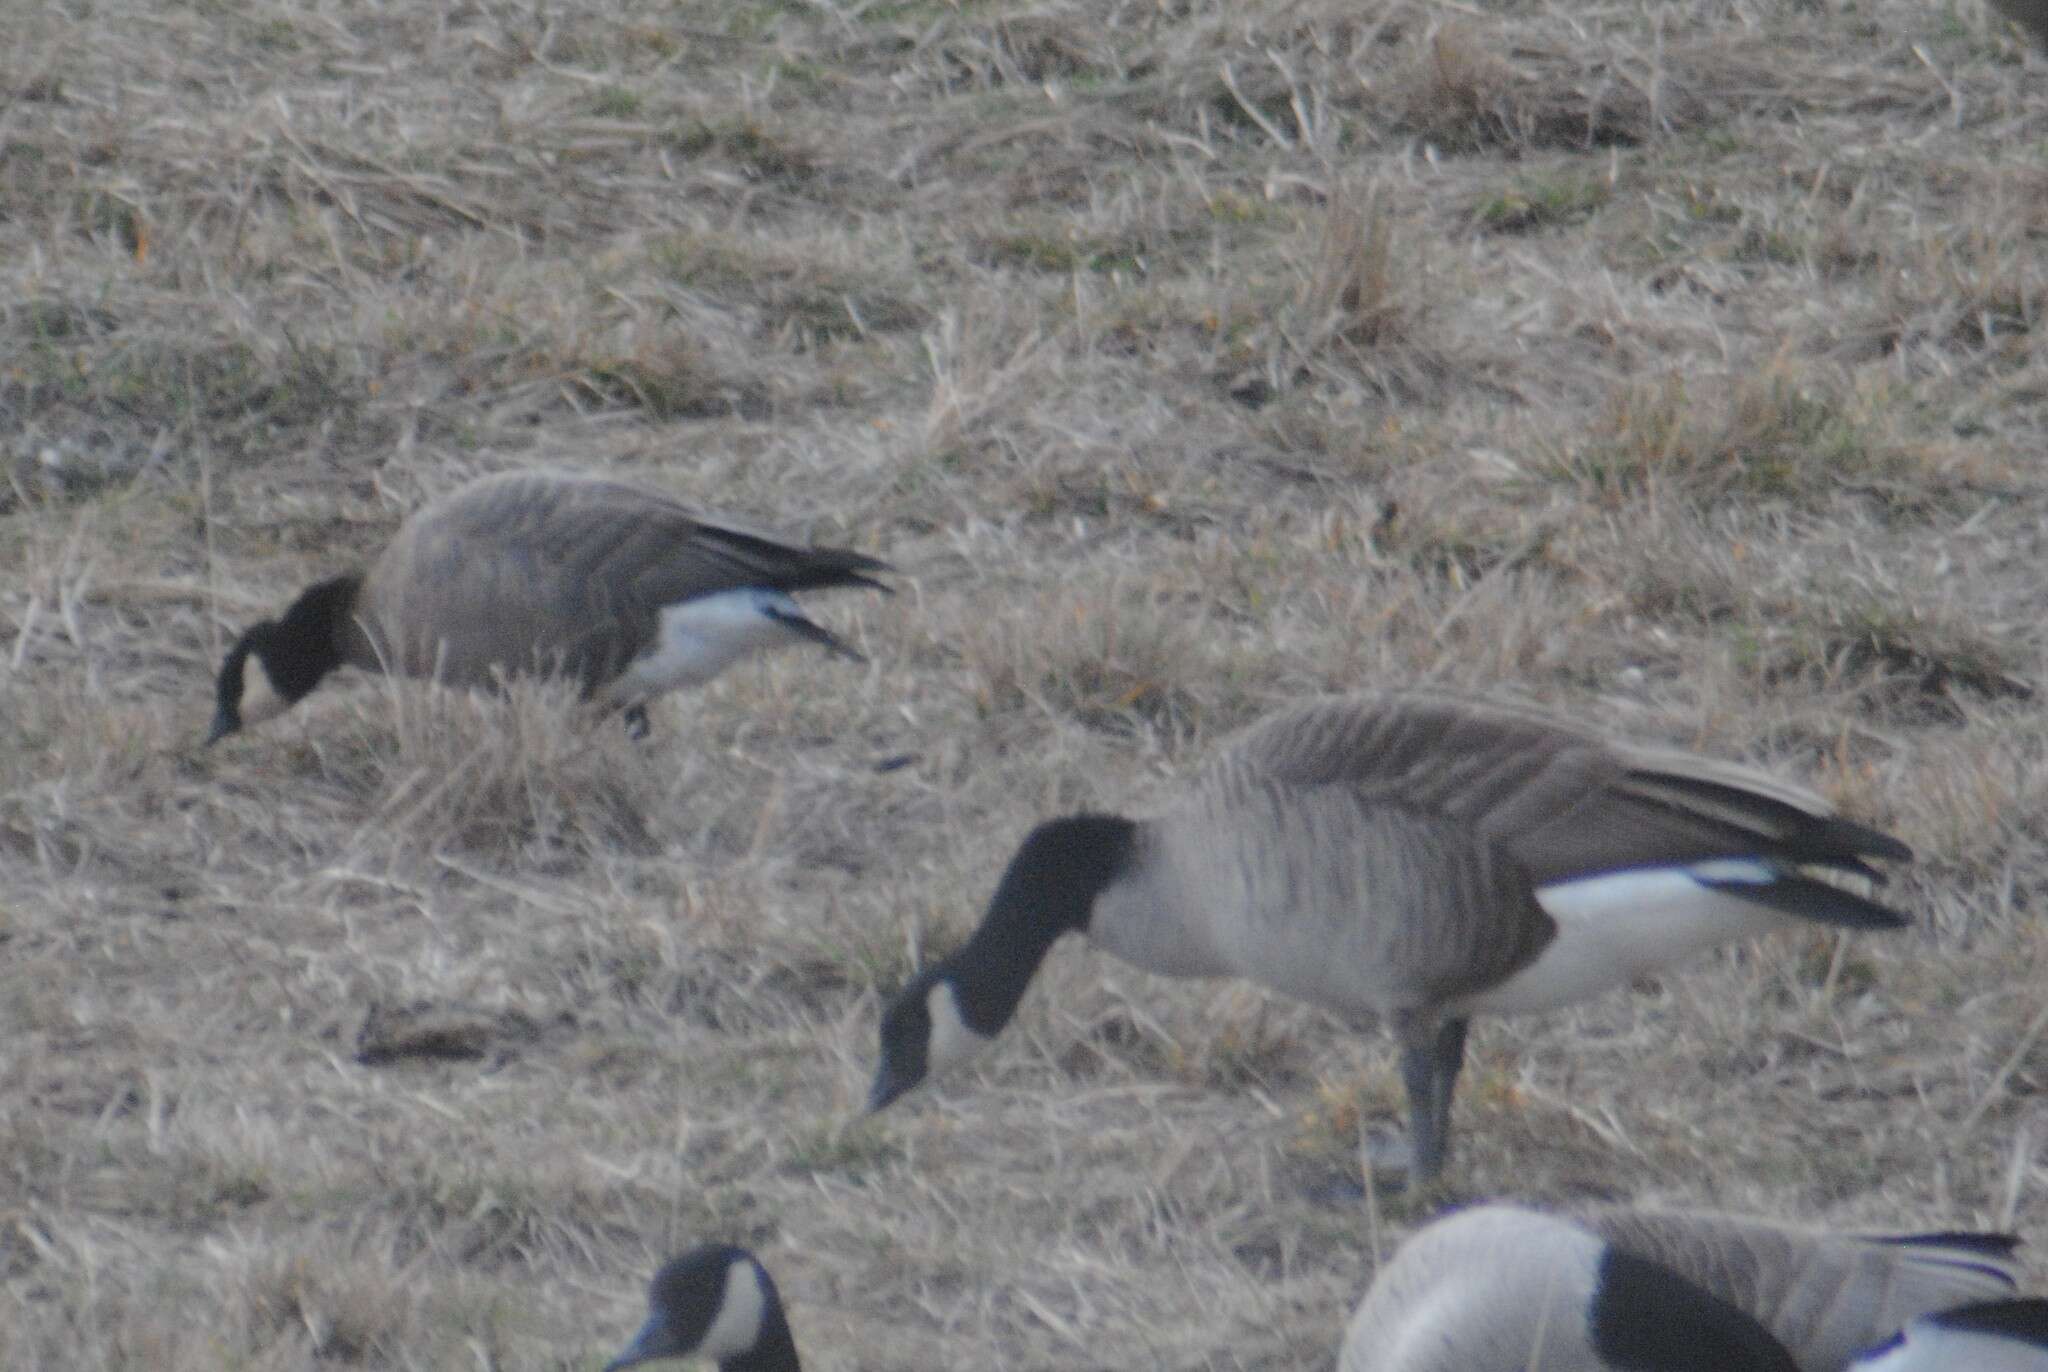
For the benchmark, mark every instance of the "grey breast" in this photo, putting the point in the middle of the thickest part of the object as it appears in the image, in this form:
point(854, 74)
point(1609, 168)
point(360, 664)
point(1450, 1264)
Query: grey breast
point(1347, 900)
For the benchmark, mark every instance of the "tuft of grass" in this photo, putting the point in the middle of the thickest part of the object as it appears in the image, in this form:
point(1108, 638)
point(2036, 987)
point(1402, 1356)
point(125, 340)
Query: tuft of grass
point(1353, 294)
point(1542, 203)
point(671, 378)
point(760, 147)
point(1112, 663)
point(535, 772)
point(1785, 434)
point(797, 287)
point(617, 102)
point(1895, 662)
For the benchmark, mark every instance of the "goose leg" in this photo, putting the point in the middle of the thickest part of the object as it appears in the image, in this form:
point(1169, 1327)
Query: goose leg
point(1431, 1056)
point(1450, 1060)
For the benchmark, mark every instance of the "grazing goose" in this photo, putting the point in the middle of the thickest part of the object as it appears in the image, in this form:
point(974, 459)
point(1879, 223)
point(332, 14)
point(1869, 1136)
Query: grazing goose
point(625, 590)
point(718, 1303)
point(1994, 1336)
point(1500, 1289)
point(1417, 858)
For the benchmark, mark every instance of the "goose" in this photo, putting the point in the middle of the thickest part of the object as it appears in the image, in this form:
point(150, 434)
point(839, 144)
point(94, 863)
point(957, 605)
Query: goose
point(715, 1302)
point(622, 589)
point(1499, 1288)
point(1416, 858)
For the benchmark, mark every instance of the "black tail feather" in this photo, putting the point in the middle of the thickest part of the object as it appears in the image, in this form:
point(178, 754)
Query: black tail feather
point(1821, 840)
point(2021, 1321)
point(1810, 898)
point(794, 567)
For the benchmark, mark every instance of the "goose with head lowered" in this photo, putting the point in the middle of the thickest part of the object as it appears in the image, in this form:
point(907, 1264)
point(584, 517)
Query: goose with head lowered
point(1418, 859)
point(624, 590)
point(718, 1303)
point(1498, 1288)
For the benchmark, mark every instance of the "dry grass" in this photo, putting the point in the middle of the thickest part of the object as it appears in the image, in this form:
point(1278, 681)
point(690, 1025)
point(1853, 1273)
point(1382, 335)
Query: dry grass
point(1672, 364)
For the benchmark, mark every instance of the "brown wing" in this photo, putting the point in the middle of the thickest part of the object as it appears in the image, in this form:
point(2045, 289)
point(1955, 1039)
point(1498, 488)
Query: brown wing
point(554, 572)
point(1562, 800)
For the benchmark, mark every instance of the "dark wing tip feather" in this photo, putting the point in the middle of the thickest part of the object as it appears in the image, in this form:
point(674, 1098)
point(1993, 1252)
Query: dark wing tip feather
point(2022, 1321)
point(797, 567)
point(1841, 844)
point(1851, 839)
point(1812, 899)
point(832, 578)
point(1823, 840)
point(854, 578)
point(1990, 1245)
point(1957, 1245)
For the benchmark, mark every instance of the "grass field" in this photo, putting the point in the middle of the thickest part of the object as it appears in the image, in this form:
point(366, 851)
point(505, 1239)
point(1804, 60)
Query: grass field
point(1673, 365)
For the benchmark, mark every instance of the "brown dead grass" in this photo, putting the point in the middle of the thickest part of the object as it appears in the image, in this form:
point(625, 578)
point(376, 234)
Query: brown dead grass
point(1677, 367)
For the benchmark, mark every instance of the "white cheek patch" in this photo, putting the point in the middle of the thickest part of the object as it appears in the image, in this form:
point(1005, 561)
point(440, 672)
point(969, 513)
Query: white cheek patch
point(738, 1326)
point(261, 699)
point(952, 1042)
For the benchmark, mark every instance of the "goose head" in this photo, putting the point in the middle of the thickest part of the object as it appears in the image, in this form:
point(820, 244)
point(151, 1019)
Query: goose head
point(715, 1302)
point(949, 1012)
point(275, 664)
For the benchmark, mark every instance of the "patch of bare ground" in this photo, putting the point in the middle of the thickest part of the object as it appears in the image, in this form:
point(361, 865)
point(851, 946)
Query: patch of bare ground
point(1676, 367)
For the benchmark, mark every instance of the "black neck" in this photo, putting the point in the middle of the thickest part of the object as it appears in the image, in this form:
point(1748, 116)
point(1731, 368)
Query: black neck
point(773, 1351)
point(307, 641)
point(1048, 890)
point(1643, 1314)
point(327, 609)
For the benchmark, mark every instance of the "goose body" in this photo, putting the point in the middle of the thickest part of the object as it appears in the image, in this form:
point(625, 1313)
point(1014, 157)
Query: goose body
point(624, 590)
point(715, 1302)
point(1497, 1288)
point(1414, 859)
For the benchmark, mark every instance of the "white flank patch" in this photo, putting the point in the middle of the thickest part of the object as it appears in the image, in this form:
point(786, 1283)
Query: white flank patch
point(1928, 1347)
point(1613, 929)
point(738, 1326)
point(700, 638)
point(1735, 871)
point(261, 699)
point(952, 1042)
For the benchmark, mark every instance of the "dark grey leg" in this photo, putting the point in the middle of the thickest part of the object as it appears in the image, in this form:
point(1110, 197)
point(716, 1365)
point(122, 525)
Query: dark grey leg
point(1450, 1060)
point(1431, 1056)
point(635, 717)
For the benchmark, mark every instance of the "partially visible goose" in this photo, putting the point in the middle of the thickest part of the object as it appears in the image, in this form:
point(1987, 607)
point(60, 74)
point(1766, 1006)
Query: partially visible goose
point(624, 590)
point(1497, 1288)
point(715, 1302)
point(2029, 15)
point(1417, 858)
